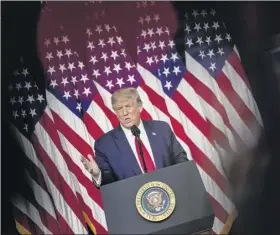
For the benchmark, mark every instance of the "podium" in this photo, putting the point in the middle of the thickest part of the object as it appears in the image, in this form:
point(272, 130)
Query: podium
point(192, 213)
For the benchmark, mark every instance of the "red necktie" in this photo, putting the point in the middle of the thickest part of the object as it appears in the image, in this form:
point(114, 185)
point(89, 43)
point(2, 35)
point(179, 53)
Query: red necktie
point(147, 158)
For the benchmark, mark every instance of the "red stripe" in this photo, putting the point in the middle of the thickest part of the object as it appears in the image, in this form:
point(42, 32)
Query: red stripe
point(145, 115)
point(241, 108)
point(110, 115)
point(94, 130)
point(235, 63)
point(192, 114)
point(219, 211)
point(88, 184)
point(26, 222)
point(220, 138)
point(57, 179)
point(37, 176)
point(81, 145)
point(201, 159)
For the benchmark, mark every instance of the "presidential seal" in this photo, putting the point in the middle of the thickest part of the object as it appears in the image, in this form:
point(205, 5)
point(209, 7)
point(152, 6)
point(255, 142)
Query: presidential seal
point(155, 201)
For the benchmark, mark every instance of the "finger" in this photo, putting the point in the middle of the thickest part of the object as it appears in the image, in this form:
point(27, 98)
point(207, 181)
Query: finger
point(84, 161)
point(90, 157)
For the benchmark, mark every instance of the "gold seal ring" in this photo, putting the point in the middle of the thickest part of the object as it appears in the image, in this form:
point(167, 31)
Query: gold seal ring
point(155, 201)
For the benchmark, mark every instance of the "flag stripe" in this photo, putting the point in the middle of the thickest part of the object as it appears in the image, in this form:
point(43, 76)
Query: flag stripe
point(99, 117)
point(29, 209)
point(37, 175)
point(59, 202)
point(83, 147)
point(242, 90)
point(235, 120)
point(90, 194)
point(108, 112)
point(78, 176)
point(234, 60)
point(68, 117)
point(93, 128)
point(179, 130)
point(237, 102)
point(63, 190)
point(22, 229)
point(43, 203)
point(25, 223)
point(214, 106)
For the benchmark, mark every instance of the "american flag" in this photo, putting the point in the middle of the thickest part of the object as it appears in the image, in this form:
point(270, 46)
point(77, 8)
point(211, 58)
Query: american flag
point(58, 125)
point(215, 73)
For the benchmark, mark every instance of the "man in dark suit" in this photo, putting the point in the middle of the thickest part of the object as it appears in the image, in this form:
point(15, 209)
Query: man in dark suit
point(118, 155)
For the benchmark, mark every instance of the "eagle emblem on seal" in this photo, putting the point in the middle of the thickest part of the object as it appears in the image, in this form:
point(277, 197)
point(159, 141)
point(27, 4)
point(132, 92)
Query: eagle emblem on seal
point(155, 201)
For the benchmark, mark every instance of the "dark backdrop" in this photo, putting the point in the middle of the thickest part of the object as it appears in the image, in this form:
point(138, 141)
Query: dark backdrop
point(253, 26)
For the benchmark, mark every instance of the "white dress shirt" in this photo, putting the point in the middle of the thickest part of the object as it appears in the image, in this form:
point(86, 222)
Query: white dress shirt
point(131, 140)
point(144, 138)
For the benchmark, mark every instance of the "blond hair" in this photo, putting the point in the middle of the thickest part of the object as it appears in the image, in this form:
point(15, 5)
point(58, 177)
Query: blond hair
point(126, 94)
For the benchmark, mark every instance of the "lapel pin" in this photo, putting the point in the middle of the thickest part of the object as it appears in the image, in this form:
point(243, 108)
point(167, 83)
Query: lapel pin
point(153, 133)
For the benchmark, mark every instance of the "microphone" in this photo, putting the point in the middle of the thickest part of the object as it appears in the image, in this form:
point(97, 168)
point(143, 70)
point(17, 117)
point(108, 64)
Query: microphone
point(136, 132)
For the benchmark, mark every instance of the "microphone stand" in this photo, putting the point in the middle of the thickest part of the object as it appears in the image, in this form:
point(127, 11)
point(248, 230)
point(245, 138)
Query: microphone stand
point(141, 154)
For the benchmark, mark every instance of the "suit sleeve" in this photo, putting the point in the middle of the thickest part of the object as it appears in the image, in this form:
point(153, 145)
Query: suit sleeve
point(107, 175)
point(177, 152)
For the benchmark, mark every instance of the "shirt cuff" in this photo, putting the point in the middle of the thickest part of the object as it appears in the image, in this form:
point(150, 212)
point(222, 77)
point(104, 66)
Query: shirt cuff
point(97, 180)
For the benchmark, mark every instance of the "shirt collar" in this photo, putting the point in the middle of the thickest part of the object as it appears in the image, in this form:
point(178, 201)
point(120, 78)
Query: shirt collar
point(128, 131)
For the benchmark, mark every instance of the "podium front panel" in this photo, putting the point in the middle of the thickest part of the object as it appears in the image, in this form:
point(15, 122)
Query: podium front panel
point(193, 210)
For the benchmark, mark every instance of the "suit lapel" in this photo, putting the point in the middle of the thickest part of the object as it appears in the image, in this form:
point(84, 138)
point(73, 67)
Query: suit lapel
point(154, 140)
point(127, 154)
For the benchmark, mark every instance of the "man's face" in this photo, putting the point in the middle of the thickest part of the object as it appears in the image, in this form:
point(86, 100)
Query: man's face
point(128, 112)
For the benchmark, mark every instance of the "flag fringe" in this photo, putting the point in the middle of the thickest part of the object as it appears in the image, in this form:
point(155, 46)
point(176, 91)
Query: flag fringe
point(22, 230)
point(227, 227)
point(90, 224)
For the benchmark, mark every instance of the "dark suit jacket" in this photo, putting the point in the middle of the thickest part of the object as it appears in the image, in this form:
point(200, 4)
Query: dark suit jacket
point(117, 161)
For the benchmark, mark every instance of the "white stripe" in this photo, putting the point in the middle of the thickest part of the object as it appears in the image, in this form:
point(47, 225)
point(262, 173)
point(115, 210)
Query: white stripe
point(218, 226)
point(151, 80)
point(237, 52)
point(31, 211)
point(238, 124)
point(155, 112)
point(41, 196)
point(61, 205)
point(191, 96)
point(97, 114)
point(106, 96)
point(69, 118)
point(242, 90)
point(216, 192)
point(97, 211)
point(49, 113)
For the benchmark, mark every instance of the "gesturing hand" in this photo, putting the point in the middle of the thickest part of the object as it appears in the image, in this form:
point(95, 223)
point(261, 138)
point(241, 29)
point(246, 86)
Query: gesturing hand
point(90, 165)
